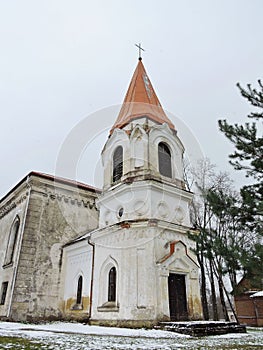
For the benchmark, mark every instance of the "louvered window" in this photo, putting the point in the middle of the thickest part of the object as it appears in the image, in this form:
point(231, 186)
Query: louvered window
point(164, 156)
point(117, 163)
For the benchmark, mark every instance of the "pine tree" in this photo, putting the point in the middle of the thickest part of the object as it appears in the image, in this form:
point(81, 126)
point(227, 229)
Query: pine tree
point(248, 156)
point(248, 143)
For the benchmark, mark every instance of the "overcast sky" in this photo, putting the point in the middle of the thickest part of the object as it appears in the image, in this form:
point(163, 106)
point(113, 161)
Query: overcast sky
point(62, 61)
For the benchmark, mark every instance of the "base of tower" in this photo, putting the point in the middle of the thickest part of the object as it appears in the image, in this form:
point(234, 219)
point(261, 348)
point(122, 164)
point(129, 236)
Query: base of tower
point(147, 324)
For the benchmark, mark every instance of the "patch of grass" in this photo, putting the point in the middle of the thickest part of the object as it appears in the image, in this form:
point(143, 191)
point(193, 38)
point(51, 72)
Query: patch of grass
point(15, 343)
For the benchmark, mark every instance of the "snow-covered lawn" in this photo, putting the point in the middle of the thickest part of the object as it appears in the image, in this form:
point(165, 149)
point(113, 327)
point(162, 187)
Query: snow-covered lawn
point(76, 336)
point(78, 328)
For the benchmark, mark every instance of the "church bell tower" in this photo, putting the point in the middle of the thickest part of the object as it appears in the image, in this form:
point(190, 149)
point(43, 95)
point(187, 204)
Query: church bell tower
point(144, 268)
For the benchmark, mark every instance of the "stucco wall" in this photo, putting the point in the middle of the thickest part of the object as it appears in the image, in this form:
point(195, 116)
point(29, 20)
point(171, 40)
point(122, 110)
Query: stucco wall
point(11, 208)
point(142, 279)
point(55, 215)
point(77, 261)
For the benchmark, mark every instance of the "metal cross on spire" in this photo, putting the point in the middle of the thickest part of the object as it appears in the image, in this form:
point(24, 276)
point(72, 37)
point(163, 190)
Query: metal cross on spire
point(140, 50)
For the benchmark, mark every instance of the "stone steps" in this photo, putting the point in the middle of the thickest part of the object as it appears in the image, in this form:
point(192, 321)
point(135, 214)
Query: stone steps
point(202, 328)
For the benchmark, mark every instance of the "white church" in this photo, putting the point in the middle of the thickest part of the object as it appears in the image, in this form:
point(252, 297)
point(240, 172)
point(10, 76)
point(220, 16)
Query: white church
point(116, 256)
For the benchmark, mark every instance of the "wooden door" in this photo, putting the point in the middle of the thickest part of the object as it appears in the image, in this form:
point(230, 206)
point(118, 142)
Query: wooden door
point(177, 297)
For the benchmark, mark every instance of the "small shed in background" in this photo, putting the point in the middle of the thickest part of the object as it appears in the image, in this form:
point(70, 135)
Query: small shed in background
point(249, 307)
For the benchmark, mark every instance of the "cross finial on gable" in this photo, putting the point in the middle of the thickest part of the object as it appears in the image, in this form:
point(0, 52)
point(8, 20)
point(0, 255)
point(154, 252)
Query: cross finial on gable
point(140, 50)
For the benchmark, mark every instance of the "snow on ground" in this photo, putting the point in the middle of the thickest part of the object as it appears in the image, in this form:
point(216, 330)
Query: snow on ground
point(78, 328)
point(68, 336)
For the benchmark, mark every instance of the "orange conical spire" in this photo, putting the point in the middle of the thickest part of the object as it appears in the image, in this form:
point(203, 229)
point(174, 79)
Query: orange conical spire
point(141, 101)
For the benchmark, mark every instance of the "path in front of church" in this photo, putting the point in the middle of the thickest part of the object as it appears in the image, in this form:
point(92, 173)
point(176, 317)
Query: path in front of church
point(68, 336)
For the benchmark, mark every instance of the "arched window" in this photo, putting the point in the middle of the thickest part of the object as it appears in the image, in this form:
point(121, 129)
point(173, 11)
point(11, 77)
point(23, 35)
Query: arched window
point(112, 285)
point(117, 163)
point(3, 293)
point(12, 242)
point(79, 290)
point(164, 156)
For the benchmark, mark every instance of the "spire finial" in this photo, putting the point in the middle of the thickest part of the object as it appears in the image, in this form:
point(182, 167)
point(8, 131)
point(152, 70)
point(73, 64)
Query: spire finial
point(140, 50)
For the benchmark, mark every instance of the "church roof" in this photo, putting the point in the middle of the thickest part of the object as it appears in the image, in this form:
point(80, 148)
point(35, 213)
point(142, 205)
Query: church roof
point(141, 101)
point(65, 181)
point(54, 179)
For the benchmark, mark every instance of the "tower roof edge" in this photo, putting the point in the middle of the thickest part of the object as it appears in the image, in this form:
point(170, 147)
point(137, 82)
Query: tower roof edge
point(141, 100)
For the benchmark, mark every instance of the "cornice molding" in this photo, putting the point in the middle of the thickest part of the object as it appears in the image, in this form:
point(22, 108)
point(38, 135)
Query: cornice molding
point(11, 204)
point(72, 200)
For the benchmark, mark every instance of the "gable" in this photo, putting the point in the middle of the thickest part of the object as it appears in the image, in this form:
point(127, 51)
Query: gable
point(178, 259)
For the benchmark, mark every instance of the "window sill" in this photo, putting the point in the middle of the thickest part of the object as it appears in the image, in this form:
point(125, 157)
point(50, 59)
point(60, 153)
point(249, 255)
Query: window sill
point(109, 306)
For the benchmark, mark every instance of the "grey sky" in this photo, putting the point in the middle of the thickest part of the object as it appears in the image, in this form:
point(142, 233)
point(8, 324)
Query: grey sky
point(62, 60)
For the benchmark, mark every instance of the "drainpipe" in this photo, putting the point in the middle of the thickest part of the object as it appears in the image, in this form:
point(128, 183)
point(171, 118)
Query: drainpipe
point(19, 249)
point(92, 275)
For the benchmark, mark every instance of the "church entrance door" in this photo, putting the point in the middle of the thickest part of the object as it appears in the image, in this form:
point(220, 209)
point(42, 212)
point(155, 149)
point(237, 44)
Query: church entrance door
point(177, 297)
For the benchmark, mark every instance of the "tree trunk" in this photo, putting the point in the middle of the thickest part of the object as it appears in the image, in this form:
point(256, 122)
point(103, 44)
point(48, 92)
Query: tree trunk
point(203, 287)
point(222, 298)
point(233, 280)
point(213, 292)
point(231, 305)
point(222, 289)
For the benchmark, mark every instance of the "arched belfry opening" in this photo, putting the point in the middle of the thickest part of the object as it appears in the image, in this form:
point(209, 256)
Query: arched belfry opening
point(117, 164)
point(164, 158)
